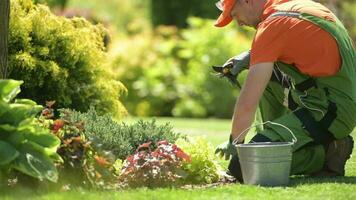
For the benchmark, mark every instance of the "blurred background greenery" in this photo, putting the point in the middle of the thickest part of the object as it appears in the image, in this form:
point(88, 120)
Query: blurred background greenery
point(156, 56)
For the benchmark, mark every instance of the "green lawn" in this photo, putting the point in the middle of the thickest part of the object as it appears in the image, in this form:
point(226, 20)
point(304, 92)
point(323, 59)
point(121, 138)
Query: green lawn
point(216, 131)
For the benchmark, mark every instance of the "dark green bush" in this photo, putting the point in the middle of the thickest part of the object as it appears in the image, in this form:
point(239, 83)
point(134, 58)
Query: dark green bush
point(61, 59)
point(53, 3)
point(173, 12)
point(119, 138)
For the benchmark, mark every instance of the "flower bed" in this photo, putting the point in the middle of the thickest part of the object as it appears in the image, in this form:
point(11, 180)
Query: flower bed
point(88, 150)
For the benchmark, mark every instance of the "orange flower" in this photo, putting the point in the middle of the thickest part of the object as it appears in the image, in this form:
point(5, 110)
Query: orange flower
point(101, 161)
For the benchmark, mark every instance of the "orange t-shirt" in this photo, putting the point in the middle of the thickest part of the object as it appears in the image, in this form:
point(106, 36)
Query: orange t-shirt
point(312, 50)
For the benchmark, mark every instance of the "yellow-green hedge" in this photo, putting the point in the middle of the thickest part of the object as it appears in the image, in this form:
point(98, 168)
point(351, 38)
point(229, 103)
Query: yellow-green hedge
point(61, 59)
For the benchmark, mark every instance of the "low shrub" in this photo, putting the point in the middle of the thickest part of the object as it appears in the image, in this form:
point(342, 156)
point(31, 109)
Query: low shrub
point(188, 161)
point(154, 168)
point(203, 168)
point(119, 138)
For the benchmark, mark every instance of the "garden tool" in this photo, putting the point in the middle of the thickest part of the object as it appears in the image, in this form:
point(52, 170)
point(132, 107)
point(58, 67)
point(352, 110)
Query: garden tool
point(233, 67)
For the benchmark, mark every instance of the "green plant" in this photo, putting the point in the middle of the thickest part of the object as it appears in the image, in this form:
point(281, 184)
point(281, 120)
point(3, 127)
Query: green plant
point(25, 146)
point(203, 167)
point(61, 59)
point(119, 138)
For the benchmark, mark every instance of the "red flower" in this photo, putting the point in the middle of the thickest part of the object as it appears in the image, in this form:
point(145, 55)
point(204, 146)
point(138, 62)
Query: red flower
point(182, 155)
point(164, 142)
point(57, 124)
point(144, 146)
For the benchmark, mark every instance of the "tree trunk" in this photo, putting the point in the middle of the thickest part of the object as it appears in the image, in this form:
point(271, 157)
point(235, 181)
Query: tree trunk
point(4, 30)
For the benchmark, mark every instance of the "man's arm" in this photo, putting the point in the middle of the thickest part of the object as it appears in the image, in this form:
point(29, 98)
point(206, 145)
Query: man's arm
point(246, 105)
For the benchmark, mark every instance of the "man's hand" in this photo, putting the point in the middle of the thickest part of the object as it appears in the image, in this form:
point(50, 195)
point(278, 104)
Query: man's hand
point(226, 149)
point(233, 67)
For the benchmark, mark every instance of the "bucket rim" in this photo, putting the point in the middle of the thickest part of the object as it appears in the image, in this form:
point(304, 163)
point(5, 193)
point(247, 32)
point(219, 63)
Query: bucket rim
point(265, 144)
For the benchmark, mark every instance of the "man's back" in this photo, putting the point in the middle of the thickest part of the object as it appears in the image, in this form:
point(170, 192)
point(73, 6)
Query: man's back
point(295, 41)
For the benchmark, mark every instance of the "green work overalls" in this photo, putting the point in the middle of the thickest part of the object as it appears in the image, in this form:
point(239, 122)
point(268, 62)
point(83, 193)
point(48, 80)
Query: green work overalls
point(319, 110)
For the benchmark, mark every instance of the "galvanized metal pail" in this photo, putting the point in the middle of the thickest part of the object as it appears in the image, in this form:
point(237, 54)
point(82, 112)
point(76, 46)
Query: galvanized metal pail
point(265, 163)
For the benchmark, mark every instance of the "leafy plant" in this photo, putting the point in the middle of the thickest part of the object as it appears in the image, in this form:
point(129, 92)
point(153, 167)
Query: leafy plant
point(25, 146)
point(203, 167)
point(85, 163)
point(157, 168)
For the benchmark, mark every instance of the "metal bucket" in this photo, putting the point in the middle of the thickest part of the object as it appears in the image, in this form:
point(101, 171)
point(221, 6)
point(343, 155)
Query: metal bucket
point(265, 163)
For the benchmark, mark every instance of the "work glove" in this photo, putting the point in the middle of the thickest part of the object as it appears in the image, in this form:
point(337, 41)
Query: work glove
point(233, 67)
point(226, 149)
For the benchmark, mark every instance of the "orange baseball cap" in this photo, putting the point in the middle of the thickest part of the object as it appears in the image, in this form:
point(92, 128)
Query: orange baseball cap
point(225, 17)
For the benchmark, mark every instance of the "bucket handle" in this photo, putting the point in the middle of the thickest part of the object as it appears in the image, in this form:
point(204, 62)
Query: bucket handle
point(294, 140)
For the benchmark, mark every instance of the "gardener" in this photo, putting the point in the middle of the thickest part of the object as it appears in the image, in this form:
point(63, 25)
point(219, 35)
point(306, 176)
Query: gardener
point(302, 73)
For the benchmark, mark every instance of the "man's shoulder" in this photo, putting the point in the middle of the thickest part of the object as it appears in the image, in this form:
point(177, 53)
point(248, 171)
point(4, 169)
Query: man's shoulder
point(306, 6)
point(278, 23)
point(282, 22)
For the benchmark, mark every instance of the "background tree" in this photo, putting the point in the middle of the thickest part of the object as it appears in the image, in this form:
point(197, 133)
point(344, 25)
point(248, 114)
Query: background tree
point(173, 12)
point(4, 29)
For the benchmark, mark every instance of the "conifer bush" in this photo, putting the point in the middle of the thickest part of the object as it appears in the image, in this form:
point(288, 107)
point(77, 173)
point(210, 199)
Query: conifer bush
point(120, 139)
point(61, 59)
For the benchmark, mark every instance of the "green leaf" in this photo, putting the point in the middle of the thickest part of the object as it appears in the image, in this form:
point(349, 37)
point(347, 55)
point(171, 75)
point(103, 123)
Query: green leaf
point(18, 112)
point(34, 162)
point(6, 130)
point(15, 139)
point(39, 135)
point(9, 89)
point(50, 152)
point(4, 107)
point(26, 102)
point(7, 153)
point(44, 139)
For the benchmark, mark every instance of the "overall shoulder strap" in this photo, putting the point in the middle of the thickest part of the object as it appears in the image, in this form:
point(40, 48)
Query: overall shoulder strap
point(285, 13)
